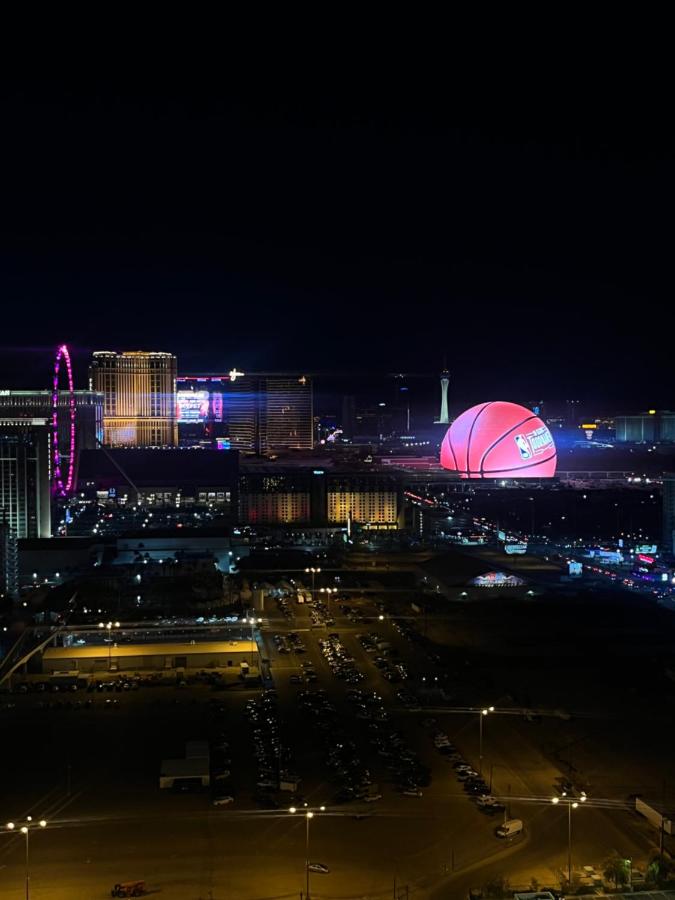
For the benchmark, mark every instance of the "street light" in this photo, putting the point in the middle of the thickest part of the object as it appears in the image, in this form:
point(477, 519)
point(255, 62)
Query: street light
point(25, 830)
point(252, 621)
point(109, 627)
point(483, 712)
point(309, 815)
point(571, 804)
point(314, 572)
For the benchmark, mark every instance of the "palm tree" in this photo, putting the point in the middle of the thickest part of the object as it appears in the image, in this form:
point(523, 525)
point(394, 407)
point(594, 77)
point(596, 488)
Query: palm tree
point(616, 869)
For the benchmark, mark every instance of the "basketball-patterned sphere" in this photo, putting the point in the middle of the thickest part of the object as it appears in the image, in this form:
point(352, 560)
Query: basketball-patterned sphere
point(499, 440)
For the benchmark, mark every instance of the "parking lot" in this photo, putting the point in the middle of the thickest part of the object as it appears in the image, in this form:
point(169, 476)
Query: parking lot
point(347, 726)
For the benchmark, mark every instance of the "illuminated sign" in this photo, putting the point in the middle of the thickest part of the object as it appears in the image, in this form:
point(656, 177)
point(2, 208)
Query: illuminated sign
point(472, 540)
point(192, 406)
point(497, 579)
point(646, 548)
point(515, 549)
point(591, 426)
point(501, 535)
point(646, 559)
point(234, 374)
point(574, 568)
point(222, 443)
point(217, 406)
point(613, 557)
point(499, 440)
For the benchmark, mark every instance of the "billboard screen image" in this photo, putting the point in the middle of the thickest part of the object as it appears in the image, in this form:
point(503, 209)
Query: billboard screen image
point(499, 440)
point(192, 406)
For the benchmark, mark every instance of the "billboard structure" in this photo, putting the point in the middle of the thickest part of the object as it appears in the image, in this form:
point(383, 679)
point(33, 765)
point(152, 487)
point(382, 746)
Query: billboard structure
point(192, 406)
point(499, 440)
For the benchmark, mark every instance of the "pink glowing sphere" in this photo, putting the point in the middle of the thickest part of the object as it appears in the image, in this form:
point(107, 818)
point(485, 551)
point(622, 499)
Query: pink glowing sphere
point(499, 440)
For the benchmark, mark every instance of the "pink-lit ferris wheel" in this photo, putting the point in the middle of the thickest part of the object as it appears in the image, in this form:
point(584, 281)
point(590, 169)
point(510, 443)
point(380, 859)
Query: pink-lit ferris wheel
point(62, 487)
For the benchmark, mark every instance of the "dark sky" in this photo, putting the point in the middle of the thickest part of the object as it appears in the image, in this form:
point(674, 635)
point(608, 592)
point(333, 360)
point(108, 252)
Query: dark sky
point(379, 225)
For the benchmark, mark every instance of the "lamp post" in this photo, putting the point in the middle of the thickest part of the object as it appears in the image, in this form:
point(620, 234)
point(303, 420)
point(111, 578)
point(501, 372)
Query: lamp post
point(252, 621)
point(309, 815)
point(571, 804)
point(314, 572)
point(483, 712)
point(329, 592)
point(25, 830)
point(109, 627)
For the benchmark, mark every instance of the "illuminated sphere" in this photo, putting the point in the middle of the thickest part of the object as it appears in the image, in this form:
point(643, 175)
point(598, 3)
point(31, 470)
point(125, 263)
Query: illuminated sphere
point(499, 440)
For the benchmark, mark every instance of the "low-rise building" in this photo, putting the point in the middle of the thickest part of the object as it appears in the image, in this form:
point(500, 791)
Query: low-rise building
point(90, 658)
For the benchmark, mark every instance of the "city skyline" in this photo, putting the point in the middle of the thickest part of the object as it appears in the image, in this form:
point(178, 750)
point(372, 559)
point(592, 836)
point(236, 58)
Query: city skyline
point(337, 473)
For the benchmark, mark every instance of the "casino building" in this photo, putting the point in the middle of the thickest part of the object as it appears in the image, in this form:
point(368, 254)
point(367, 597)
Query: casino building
point(139, 397)
point(321, 498)
point(256, 413)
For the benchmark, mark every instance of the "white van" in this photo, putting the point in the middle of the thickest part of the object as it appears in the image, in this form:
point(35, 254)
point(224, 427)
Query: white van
point(510, 828)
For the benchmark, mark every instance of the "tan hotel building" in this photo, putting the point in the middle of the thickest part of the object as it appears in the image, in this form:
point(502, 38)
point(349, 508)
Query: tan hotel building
point(139, 397)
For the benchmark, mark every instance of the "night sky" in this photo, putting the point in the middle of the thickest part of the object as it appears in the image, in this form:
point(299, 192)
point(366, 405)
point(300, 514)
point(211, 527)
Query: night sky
point(371, 227)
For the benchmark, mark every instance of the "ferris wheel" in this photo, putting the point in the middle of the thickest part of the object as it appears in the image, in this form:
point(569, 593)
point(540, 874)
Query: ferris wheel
point(61, 486)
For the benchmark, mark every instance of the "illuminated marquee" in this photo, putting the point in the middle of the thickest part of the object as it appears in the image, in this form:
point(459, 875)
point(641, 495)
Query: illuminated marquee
point(497, 579)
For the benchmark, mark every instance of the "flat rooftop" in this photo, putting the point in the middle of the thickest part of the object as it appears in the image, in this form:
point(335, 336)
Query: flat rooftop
point(89, 651)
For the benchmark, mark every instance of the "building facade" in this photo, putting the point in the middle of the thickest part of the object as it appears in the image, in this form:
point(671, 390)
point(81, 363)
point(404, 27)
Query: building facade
point(655, 426)
point(38, 404)
point(162, 478)
point(373, 501)
point(9, 563)
point(270, 412)
point(274, 499)
point(668, 532)
point(25, 474)
point(139, 397)
point(320, 498)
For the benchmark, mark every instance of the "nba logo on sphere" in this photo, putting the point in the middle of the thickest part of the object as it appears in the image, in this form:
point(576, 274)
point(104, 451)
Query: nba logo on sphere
point(523, 446)
point(499, 440)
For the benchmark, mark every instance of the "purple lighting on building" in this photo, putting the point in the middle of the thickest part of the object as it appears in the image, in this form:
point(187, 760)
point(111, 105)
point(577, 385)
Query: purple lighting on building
point(59, 487)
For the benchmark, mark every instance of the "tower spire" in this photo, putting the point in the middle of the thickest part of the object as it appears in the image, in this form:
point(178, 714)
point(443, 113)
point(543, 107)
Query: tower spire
point(444, 418)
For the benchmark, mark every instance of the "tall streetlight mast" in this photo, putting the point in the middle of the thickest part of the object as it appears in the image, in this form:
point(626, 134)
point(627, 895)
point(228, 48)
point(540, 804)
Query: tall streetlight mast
point(483, 713)
point(109, 628)
point(309, 815)
point(314, 572)
point(571, 804)
point(25, 830)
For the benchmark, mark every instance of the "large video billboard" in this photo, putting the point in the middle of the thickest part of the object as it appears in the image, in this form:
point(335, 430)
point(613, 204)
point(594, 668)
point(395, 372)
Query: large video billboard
point(192, 406)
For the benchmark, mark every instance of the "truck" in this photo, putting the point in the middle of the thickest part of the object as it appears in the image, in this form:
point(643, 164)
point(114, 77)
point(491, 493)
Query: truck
point(510, 828)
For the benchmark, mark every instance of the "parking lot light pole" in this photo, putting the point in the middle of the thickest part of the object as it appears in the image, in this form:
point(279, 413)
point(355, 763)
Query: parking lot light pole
point(253, 622)
point(329, 591)
point(483, 712)
point(571, 804)
point(314, 572)
point(25, 831)
point(309, 815)
point(109, 627)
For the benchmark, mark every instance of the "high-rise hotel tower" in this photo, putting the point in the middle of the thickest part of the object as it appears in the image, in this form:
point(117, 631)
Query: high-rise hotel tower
point(139, 391)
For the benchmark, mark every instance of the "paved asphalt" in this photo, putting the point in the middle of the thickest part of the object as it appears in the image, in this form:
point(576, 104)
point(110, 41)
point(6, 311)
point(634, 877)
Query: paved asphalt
point(115, 824)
